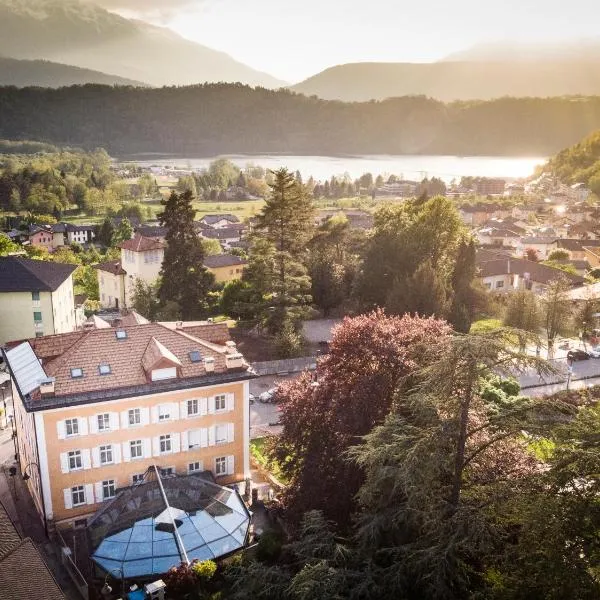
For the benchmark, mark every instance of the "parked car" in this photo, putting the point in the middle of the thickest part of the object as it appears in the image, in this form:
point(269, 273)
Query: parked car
point(575, 355)
point(252, 398)
point(268, 396)
point(594, 352)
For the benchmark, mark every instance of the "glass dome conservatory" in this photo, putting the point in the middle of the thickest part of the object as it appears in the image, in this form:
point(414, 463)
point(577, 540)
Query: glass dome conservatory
point(164, 521)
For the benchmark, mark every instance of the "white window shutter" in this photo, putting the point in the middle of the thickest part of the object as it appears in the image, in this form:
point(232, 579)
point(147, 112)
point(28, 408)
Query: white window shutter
point(230, 465)
point(183, 412)
point(230, 432)
point(96, 456)
point(211, 435)
point(83, 426)
point(175, 442)
point(211, 405)
point(230, 401)
point(147, 446)
point(62, 432)
point(124, 419)
point(114, 420)
point(145, 416)
point(64, 462)
point(185, 444)
point(156, 446)
point(203, 437)
point(89, 493)
point(174, 410)
point(94, 424)
point(86, 459)
point(203, 406)
point(98, 488)
point(68, 498)
point(154, 412)
point(126, 452)
point(116, 453)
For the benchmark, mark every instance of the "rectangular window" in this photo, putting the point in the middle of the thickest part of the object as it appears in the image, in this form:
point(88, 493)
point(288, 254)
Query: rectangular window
point(35, 296)
point(221, 434)
point(220, 402)
point(195, 467)
point(194, 438)
point(221, 465)
point(37, 316)
point(165, 443)
point(75, 462)
point(72, 426)
point(136, 449)
point(499, 284)
point(108, 489)
point(164, 412)
point(104, 422)
point(106, 455)
point(137, 478)
point(193, 407)
point(78, 495)
point(135, 417)
point(104, 369)
point(167, 471)
point(76, 372)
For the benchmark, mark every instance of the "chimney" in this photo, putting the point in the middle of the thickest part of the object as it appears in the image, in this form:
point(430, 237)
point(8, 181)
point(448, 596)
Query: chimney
point(209, 364)
point(234, 361)
point(231, 347)
point(47, 386)
point(179, 325)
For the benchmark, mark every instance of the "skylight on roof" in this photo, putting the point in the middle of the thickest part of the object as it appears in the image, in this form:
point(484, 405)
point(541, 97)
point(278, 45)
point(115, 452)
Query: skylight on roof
point(104, 369)
point(121, 334)
point(76, 372)
point(195, 356)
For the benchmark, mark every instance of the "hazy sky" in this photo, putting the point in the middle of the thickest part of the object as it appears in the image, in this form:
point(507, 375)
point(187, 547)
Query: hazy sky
point(293, 39)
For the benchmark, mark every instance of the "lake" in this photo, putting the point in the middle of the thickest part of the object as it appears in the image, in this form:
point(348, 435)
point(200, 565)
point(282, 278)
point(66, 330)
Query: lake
point(410, 167)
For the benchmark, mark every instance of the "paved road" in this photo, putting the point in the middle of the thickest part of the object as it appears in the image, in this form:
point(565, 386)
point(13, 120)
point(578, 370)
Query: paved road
point(264, 416)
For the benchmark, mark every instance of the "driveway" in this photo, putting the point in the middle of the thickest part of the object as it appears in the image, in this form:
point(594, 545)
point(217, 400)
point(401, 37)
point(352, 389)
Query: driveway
point(264, 417)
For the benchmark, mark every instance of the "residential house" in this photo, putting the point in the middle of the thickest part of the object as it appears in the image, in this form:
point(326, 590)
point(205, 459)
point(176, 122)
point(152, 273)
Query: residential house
point(485, 186)
point(152, 231)
point(357, 219)
point(398, 189)
point(219, 221)
point(225, 267)
point(592, 255)
point(141, 258)
point(82, 234)
point(36, 298)
point(96, 409)
point(477, 214)
point(59, 235)
point(580, 192)
point(576, 247)
point(498, 236)
point(501, 273)
point(41, 236)
point(225, 235)
point(542, 245)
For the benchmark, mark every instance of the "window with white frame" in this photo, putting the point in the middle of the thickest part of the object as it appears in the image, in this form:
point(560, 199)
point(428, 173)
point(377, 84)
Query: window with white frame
point(195, 467)
point(75, 460)
point(72, 426)
point(104, 422)
point(108, 489)
point(106, 455)
point(136, 449)
point(193, 407)
point(78, 495)
point(164, 412)
point(137, 478)
point(165, 443)
point(194, 438)
point(220, 402)
point(135, 416)
point(167, 471)
point(499, 284)
point(221, 434)
point(221, 465)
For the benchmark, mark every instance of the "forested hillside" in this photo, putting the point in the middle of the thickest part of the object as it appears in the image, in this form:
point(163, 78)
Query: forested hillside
point(578, 163)
point(232, 118)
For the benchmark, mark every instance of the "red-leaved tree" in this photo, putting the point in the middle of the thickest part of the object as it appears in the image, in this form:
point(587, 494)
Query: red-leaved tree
point(371, 359)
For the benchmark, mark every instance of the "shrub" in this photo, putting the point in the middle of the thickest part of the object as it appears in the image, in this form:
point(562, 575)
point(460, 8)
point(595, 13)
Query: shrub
point(204, 569)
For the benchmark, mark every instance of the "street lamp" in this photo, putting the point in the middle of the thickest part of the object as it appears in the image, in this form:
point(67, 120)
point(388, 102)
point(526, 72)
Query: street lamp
point(106, 590)
point(26, 477)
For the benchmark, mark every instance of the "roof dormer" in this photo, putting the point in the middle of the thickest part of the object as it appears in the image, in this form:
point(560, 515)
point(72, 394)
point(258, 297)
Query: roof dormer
point(159, 362)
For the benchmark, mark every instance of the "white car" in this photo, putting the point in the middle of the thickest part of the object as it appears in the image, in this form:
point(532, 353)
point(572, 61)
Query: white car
point(594, 352)
point(267, 397)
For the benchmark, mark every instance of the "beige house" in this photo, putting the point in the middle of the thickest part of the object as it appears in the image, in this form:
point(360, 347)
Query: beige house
point(36, 298)
point(96, 409)
point(141, 258)
point(225, 267)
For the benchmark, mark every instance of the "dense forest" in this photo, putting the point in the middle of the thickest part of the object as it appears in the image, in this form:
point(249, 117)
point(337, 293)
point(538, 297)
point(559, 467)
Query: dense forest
point(232, 118)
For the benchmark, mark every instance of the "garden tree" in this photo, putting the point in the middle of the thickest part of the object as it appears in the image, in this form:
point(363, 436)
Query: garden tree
point(466, 298)
point(288, 341)
point(240, 300)
point(594, 274)
point(556, 311)
point(286, 224)
point(404, 237)
point(559, 255)
point(211, 247)
point(370, 360)
point(584, 316)
point(123, 232)
point(531, 254)
point(7, 246)
point(132, 210)
point(523, 311)
point(105, 232)
point(184, 279)
point(187, 184)
point(144, 299)
point(561, 266)
point(446, 456)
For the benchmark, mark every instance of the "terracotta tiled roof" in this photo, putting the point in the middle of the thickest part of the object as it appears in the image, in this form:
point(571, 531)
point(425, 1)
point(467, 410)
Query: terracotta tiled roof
point(112, 266)
point(157, 356)
point(142, 244)
point(51, 346)
point(217, 333)
point(133, 318)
